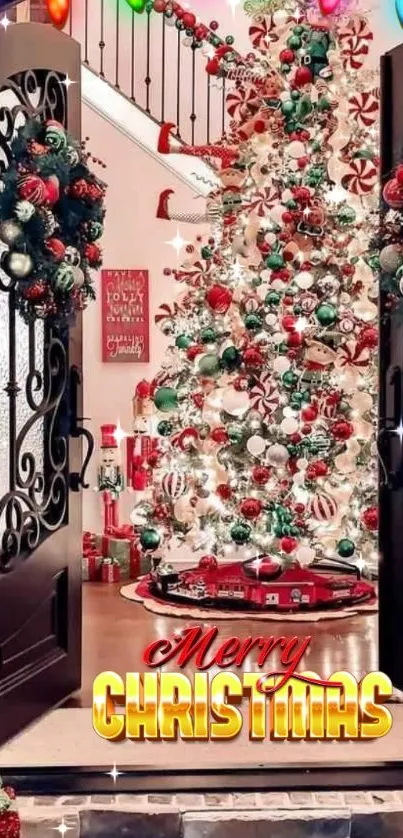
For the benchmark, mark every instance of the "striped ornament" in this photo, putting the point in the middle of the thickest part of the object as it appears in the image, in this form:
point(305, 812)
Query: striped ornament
point(323, 507)
point(174, 484)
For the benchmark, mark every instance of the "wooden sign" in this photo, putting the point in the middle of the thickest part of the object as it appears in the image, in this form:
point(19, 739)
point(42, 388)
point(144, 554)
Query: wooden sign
point(125, 317)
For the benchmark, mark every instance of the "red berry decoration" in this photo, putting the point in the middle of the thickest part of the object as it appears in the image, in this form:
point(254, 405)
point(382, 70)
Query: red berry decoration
point(288, 544)
point(208, 563)
point(93, 253)
point(253, 358)
point(79, 189)
point(261, 475)
point(56, 249)
point(95, 192)
point(399, 175)
point(161, 512)
point(219, 298)
point(393, 194)
point(342, 430)
point(241, 384)
point(198, 399)
point(251, 508)
point(36, 292)
point(303, 76)
point(370, 337)
point(32, 188)
point(370, 518)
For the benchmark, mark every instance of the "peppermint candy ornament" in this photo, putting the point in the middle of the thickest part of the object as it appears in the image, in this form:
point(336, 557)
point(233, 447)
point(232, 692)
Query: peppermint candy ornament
point(264, 201)
point(242, 102)
point(264, 395)
point(361, 177)
point(174, 484)
point(364, 108)
point(323, 507)
point(355, 38)
point(262, 33)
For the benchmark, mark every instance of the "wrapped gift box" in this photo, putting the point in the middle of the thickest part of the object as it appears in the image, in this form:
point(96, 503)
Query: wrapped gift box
point(91, 566)
point(110, 570)
point(120, 545)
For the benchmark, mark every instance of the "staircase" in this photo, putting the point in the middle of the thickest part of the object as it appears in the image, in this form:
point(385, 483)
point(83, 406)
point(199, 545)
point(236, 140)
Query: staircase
point(140, 71)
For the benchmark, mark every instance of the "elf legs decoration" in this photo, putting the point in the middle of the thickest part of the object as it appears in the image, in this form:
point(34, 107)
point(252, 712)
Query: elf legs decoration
point(226, 154)
point(164, 213)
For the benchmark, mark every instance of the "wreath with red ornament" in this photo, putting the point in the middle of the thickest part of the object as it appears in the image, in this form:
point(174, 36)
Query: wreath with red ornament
point(51, 220)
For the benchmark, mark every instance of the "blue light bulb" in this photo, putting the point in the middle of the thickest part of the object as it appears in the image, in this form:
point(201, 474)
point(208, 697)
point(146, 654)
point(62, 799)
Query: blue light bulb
point(399, 10)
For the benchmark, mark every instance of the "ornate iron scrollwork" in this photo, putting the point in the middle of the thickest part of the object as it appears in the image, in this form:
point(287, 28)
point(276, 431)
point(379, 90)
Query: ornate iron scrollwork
point(35, 501)
point(77, 479)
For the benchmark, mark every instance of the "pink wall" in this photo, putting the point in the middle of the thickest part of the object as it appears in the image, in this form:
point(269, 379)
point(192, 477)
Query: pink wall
point(133, 238)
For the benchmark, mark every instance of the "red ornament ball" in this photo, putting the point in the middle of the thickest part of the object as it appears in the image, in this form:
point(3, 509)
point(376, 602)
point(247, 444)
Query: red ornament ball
point(161, 512)
point(259, 126)
point(79, 189)
point(208, 563)
point(399, 175)
point(241, 384)
point(36, 292)
point(288, 544)
point(52, 187)
point(219, 298)
point(224, 491)
point(393, 194)
point(32, 188)
point(219, 435)
point(289, 322)
point(198, 400)
point(212, 66)
point(261, 475)
point(287, 56)
point(342, 430)
point(93, 253)
point(214, 25)
point(317, 469)
point(189, 20)
point(370, 337)
point(193, 351)
point(309, 413)
point(251, 508)
point(56, 248)
point(370, 518)
point(295, 339)
point(303, 76)
point(159, 5)
point(95, 192)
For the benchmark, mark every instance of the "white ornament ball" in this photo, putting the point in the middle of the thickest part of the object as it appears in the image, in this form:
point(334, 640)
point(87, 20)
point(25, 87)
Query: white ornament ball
point(235, 403)
point(304, 280)
point(290, 426)
point(78, 277)
point(277, 455)
point(281, 364)
point(276, 214)
point(256, 445)
point(391, 258)
point(280, 17)
point(305, 556)
point(24, 211)
point(296, 149)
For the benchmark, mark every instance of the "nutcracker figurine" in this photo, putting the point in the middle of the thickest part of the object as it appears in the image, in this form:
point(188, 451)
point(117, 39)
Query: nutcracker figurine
point(141, 444)
point(110, 477)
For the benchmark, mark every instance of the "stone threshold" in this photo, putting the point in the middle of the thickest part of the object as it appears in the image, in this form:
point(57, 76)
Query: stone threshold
point(237, 815)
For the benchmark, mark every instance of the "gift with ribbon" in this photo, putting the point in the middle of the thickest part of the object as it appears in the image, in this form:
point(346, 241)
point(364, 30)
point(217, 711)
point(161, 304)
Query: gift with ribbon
point(90, 564)
point(110, 570)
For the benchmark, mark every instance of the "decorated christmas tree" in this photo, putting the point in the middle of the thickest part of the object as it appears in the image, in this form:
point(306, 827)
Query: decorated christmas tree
point(266, 405)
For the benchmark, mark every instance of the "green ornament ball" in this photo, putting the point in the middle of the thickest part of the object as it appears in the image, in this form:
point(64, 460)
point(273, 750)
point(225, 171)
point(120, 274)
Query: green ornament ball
point(206, 252)
point(183, 341)
point(150, 539)
point(209, 365)
point(346, 548)
point(294, 42)
point(94, 230)
point(241, 533)
point(64, 278)
point(231, 358)
point(347, 215)
point(326, 314)
point(273, 298)
point(253, 322)
point(288, 107)
point(165, 428)
point(208, 336)
point(295, 95)
point(275, 261)
point(285, 68)
point(166, 399)
point(289, 379)
point(235, 434)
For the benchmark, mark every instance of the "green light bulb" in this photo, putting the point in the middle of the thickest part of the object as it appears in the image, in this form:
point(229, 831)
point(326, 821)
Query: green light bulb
point(137, 5)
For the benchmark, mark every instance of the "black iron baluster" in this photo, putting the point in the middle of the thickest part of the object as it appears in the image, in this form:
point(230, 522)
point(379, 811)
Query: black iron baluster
point(12, 389)
point(132, 81)
point(178, 89)
point(223, 108)
point(193, 114)
point(86, 34)
point(117, 45)
point(102, 41)
point(208, 107)
point(163, 72)
point(147, 79)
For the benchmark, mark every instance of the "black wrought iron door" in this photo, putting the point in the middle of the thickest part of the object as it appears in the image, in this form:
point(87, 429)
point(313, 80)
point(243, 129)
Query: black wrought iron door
point(391, 407)
point(40, 516)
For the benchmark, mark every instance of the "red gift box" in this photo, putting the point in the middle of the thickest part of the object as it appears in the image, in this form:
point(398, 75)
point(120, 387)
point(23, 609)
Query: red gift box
point(88, 540)
point(110, 571)
point(91, 564)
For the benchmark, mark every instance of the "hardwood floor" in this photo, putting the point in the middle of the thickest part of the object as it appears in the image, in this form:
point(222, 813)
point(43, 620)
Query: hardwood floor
point(116, 631)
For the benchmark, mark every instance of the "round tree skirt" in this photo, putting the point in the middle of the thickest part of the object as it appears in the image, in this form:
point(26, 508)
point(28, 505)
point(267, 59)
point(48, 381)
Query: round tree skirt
point(140, 591)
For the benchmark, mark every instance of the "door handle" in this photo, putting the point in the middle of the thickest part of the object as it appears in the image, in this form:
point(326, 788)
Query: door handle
point(77, 479)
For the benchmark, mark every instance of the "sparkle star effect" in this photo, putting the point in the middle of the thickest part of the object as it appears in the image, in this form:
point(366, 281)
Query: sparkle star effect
point(119, 434)
point(114, 773)
point(178, 242)
point(233, 4)
point(5, 22)
point(68, 82)
point(399, 431)
point(62, 828)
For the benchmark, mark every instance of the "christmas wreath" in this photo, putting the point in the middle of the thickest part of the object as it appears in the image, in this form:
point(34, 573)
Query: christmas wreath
point(51, 220)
